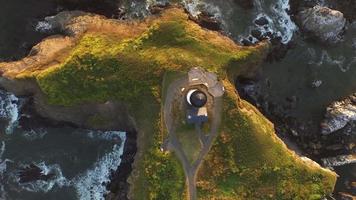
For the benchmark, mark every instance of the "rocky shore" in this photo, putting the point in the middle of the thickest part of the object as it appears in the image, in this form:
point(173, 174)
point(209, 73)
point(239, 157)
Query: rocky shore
point(322, 23)
point(339, 114)
point(118, 185)
point(333, 142)
point(108, 115)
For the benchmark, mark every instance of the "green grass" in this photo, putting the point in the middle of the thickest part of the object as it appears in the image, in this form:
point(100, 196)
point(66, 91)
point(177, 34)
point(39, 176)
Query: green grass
point(160, 175)
point(247, 161)
point(188, 138)
point(163, 176)
point(168, 78)
point(102, 67)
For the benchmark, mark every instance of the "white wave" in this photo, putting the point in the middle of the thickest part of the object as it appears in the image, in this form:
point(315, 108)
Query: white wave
point(346, 67)
point(195, 7)
point(44, 26)
point(105, 135)
point(3, 161)
point(9, 110)
point(280, 22)
point(34, 134)
point(89, 185)
point(286, 26)
point(354, 43)
point(46, 185)
point(2, 149)
point(3, 166)
point(150, 3)
point(339, 61)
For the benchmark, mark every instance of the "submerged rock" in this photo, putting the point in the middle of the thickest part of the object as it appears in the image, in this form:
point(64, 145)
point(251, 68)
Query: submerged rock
point(339, 114)
point(246, 4)
point(322, 22)
point(33, 173)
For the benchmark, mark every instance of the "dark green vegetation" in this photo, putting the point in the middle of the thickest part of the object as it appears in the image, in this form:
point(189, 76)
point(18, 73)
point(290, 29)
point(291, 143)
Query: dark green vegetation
point(248, 161)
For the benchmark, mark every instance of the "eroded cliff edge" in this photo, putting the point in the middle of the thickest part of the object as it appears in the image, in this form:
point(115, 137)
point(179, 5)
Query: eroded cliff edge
point(107, 74)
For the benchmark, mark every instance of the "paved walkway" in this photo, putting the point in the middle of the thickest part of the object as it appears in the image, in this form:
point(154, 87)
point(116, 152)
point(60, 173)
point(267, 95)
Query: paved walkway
point(173, 144)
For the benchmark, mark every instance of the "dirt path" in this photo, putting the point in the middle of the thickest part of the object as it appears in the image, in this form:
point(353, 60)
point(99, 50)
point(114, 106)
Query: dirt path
point(190, 170)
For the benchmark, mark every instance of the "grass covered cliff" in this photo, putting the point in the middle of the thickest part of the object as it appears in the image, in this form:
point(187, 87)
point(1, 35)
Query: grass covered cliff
point(105, 60)
point(248, 161)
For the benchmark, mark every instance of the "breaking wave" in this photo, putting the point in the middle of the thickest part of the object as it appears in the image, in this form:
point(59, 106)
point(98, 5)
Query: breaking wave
point(3, 166)
point(9, 110)
point(279, 21)
point(34, 134)
point(44, 26)
point(326, 59)
point(90, 185)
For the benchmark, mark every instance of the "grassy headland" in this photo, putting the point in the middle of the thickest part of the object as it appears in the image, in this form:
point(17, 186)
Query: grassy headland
point(247, 159)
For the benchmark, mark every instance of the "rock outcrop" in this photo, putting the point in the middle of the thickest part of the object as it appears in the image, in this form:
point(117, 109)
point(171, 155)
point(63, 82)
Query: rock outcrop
point(339, 160)
point(322, 22)
point(348, 7)
point(339, 114)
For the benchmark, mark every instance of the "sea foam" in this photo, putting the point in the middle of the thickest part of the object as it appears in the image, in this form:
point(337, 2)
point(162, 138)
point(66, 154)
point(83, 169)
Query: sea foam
point(9, 110)
point(89, 185)
point(280, 23)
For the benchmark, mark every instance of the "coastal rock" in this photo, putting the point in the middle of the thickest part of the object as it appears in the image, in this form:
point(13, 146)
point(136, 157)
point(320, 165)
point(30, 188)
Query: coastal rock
point(261, 21)
point(339, 114)
point(33, 173)
point(206, 20)
point(345, 196)
point(339, 160)
point(322, 22)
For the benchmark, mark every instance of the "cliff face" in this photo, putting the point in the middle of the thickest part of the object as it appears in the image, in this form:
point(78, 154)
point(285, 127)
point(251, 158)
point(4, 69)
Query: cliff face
point(107, 74)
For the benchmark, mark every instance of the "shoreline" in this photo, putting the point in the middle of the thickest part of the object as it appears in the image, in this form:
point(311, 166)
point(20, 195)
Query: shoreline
point(117, 185)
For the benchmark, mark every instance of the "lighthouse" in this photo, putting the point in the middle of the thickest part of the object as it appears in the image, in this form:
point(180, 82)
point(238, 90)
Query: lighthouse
point(196, 102)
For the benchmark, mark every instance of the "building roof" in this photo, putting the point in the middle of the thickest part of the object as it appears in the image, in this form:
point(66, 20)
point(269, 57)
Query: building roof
point(197, 98)
point(198, 76)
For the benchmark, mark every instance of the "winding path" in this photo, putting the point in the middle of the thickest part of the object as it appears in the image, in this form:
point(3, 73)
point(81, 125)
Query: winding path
point(190, 170)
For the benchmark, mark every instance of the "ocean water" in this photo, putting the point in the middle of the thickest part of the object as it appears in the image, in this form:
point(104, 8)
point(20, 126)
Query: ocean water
point(77, 161)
